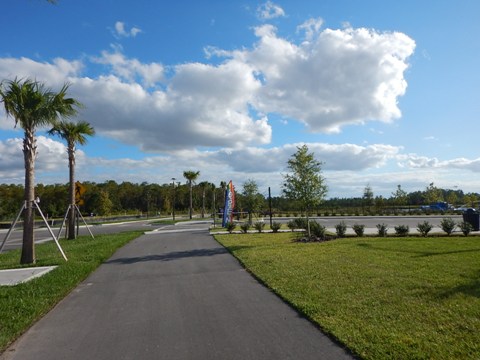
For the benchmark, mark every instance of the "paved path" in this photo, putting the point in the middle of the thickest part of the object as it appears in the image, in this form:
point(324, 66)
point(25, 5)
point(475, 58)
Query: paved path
point(173, 295)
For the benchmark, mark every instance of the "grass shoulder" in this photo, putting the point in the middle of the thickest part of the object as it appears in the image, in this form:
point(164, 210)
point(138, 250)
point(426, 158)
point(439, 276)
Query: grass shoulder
point(391, 297)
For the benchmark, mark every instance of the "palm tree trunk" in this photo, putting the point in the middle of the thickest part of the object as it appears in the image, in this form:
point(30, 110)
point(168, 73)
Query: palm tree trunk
point(29, 153)
point(71, 166)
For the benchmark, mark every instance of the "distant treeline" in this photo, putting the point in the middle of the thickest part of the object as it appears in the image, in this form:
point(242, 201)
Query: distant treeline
point(112, 198)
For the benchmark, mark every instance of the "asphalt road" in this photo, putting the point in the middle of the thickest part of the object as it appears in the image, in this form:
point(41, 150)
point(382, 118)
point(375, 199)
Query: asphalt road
point(42, 234)
point(371, 222)
point(174, 293)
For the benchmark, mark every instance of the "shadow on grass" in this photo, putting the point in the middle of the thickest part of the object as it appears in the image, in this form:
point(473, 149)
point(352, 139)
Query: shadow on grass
point(418, 253)
point(471, 289)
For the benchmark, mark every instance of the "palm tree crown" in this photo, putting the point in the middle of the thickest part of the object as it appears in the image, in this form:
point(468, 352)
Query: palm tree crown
point(32, 105)
point(73, 133)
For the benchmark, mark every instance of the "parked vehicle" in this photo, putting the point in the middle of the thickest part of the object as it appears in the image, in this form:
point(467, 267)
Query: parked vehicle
point(438, 206)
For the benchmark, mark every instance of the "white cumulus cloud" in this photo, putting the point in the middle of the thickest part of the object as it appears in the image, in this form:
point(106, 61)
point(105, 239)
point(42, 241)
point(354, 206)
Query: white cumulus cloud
point(132, 70)
point(269, 10)
point(333, 78)
point(311, 27)
point(51, 159)
point(338, 77)
point(335, 157)
point(121, 31)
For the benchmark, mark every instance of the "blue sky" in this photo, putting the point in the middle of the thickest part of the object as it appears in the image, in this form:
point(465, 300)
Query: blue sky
point(383, 92)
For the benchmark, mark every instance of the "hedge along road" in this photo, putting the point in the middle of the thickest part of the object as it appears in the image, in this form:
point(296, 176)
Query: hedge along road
point(173, 295)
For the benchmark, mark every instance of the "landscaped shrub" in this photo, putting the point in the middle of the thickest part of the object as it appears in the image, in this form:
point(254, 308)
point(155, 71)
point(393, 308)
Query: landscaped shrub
point(424, 228)
point(275, 226)
point(245, 227)
point(301, 223)
point(402, 230)
point(465, 227)
point(382, 229)
point(230, 226)
point(341, 229)
point(448, 225)
point(292, 225)
point(359, 229)
point(259, 225)
point(317, 229)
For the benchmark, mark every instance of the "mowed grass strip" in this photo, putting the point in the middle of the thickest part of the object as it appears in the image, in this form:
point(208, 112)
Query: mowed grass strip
point(23, 304)
point(384, 298)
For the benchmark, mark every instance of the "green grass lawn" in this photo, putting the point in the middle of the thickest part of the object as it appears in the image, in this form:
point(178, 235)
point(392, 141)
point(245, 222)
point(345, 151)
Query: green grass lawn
point(384, 298)
point(21, 305)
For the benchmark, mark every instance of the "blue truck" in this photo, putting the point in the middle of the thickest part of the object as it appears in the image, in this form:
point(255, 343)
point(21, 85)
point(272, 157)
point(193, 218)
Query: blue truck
point(438, 206)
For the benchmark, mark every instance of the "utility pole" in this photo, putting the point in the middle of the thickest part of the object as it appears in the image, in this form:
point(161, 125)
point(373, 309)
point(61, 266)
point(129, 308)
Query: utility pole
point(173, 204)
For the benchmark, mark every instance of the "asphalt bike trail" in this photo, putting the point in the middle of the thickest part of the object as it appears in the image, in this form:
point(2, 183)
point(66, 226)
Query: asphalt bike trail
point(173, 294)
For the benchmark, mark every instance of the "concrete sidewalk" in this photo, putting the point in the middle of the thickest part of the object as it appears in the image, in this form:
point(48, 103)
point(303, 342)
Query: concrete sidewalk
point(11, 277)
point(173, 295)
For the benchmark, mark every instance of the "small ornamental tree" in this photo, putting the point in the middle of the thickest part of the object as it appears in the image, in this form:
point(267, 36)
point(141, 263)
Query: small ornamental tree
point(252, 198)
point(304, 182)
point(368, 199)
point(400, 196)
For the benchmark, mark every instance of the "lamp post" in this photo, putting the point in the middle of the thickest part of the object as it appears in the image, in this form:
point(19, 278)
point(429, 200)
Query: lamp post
point(214, 205)
point(173, 204)
point(148, 202)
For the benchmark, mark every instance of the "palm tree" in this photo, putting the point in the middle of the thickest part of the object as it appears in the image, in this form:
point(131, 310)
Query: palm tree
point(32, 105)
point(191, 176)
point(204, 185)
point(73, 133)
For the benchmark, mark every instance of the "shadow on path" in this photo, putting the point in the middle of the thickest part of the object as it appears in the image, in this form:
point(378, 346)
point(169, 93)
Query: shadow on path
point(169, 256)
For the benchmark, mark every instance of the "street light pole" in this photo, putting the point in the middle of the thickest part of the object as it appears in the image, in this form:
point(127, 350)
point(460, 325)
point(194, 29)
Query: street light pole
point(214, 207)
point(173, 205)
